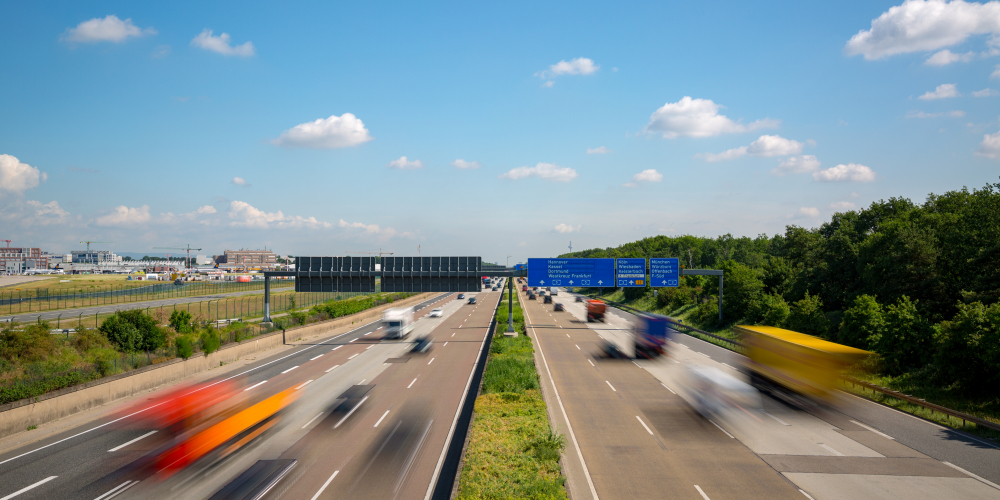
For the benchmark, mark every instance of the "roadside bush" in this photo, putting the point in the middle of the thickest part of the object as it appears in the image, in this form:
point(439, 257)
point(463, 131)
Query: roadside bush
point(769, 310)
point(807, 316)
point(907, 340)
point(547, 446)
point(103, 359)
point(633, 293)
point(89, 338)
point(31, 344)
point(184, 346)
point(133, 330)
point(969, 351)
point(180, 321)
point(210, 341)
point(707, 313)
point(863, 323)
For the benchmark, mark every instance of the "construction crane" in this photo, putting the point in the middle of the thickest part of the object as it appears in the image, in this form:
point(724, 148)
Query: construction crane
point(380, 253)
point(187, 262)
point(89, 242)
point(8, 242)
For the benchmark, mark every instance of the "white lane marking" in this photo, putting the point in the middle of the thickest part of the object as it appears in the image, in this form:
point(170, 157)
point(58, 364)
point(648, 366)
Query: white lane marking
point(290, 369)
point(644, 425)
point(453, 334)
point(317, 357)
point(636, 364)
point(806, 494)
point(675, 361)
point(26, 488)
point(258, 384)
point(431, 361)
point(331, 369)
point(592, 363)
point(873, 430)
point(303, 384)
point(729, 366)
point(780, 421)
point(369, 347)
point(311, 420)
point(611, 386)
point(354, 356)
point(703, 354)
point(411, 383)
point(831, 450)
point(119, 492)
point(113, 490)
point(327, 483)
point(953, 466)
point(577, 346)
point(146, 435)
point(348, 415)
point(362, 381)
point(567, 336)
point(445, 344)
point(382, 417)
point(335, 348)
point(352, 340)
point(721, 429)
point(703, 495)
point(367, 334)
point(667, 388)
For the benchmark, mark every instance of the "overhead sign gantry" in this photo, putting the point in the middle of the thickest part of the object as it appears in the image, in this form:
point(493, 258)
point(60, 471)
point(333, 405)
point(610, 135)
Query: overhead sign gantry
point(593, 273)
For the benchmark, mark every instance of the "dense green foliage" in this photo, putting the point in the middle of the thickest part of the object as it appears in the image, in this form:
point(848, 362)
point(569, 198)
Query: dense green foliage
point(133, 330)
point(180, 321)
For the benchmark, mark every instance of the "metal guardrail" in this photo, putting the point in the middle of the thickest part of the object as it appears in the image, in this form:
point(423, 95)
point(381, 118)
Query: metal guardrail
point(920, 402)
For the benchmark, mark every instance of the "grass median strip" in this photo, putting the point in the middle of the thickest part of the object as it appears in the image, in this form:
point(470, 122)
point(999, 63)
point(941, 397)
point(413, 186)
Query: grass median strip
point(512, 450)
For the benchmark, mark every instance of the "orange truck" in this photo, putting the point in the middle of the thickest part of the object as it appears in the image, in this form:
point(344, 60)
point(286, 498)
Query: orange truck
point(595, 311)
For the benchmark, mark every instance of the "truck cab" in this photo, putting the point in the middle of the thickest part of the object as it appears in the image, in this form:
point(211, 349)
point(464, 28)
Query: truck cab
point(397, 322)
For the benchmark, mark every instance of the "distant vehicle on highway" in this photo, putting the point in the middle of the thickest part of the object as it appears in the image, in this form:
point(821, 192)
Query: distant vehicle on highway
point(472, 300)
point(531, 296)
point(397, 322)
point(595, 311)
point(436, 313)
point(422, 344)
point(494, 289)
point(461, 296)
point(554, 291)
point(558, 307)
point(579, 298)
point(547, 299)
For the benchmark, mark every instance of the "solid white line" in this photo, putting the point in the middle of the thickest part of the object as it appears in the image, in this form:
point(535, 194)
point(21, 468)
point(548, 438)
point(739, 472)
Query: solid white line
point(721, 429)
point(258, 384)
point(317, 357)
point(592, 363)
point(116, 448)
point(431, 361)
point(636, 364)
point(411, 383)
point(348, 415)
point(380, 418)
point(26, 488)
point(290, 369)
point(354, 356)
point(312, 419)
point(835, 452)
point(112, 490)
point(331, 369)
point(806, 494)
point(644, 425)
point(703, 495)
point(327, 483)
point(669, 389)
point(335, 348)
point(611, 386)
point(303, 384)
point(780, 421)
point(873, 430)
point(953, 466)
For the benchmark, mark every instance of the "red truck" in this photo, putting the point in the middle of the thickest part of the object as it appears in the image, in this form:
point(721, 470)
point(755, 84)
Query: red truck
point(595, 311)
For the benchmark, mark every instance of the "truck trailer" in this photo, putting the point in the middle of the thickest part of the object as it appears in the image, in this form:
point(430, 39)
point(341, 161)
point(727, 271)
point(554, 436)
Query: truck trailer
point(397, 322)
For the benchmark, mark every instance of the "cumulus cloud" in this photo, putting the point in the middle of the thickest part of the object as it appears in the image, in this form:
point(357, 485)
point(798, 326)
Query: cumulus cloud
point(943, 91)
point(996, 73)
point(810, 211)
point(221, 44)
point(578, 66)
point(796, 165)
point(648, 175)
point(330, 133)
point(565, 228)
point(368, 228)
point(547, 171)
point(985, 93)
point(950, 114)
point(33, 213)
point(601, 150)
point(205, 210)
point(946, 57)
point(239, 181)
point(852, 172)
point(765, 146)
point(698, 118)
point(922, 26)
point(843, 205)
point(109, 29)
point(466, 165)
point(243, 214)
point(125, 216)
point(990, 147)
point(17, 177)
point(405, 164)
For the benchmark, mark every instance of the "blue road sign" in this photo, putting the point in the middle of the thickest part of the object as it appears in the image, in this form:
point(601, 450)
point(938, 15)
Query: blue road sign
point(631, 272)
point(664, 272)
point(571, 272)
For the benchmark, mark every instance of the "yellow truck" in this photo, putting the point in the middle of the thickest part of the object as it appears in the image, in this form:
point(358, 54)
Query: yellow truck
point(795, 363)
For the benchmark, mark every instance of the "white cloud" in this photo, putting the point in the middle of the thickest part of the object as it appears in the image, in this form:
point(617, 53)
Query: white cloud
point(796, 165)
point(17, 177)
point(547, 171)
point(852, 172)
point(990, 147)
point(946, 57)
point(221, 44)
point(810, 211)
point(578, 66)
point(333, 132)
point(765, 146)
point(698, 118)
point(367, 228)
point(405, 164)
point(33, 213)
point(548, 84)
point(564, 228)
point(855, 195)
point(109, 29)
point(601, 150)
point(943, 91)
point(207, 209)
point(239, 181)
point(996, 73)
point(160, 52)
point(843, 205)
point(985, 93)
point(648, 175)
point(466, 165)
point(125, 216)
point(242, 214)
point(921, 114)
point(921, 26)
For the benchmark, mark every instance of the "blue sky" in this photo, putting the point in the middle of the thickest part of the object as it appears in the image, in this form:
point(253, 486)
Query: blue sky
point(145, 125)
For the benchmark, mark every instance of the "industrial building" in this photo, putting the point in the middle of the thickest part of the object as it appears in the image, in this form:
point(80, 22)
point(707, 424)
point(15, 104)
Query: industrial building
point(17, 260)
point(101, 257)
point(250, 259)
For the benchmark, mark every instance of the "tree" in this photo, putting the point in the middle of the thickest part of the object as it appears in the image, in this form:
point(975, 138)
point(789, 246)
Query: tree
point(741, 287)
point(180, 321)
point(769, 310)
point(907, 339)
point(122, 333)
point(863, 323)
point(970, 348)
point(806, 316)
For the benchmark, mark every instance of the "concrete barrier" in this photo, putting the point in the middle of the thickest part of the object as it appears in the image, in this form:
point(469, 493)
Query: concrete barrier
point(18, 416)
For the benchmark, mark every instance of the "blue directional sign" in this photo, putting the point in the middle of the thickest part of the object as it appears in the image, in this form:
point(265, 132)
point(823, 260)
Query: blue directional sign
point(631, 272)
point(664, 272)
point(571, 272)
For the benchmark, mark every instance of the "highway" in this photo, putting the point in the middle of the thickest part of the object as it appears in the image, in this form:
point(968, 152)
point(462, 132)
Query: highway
point(633, 434)
point(391, 445)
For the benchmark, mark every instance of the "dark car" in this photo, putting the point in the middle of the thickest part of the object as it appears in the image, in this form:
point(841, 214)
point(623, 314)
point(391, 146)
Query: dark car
point(472, 300)
point(548, 299)
point(422, 344)
point(558, 307)
point(579, 298)
point(461, 296)
point(494, 289)
point(531, 296)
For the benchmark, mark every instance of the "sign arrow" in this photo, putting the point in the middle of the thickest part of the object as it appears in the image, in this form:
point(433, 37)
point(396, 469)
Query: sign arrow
point(541, 281)
point(631, 282)
point(664, 282)
point(570, 282)
point(599, 282)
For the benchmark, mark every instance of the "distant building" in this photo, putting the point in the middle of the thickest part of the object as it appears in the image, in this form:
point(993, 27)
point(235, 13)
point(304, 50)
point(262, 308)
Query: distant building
point(95, 257)
point(202, 260)
point(17, 260)
point(264, 259)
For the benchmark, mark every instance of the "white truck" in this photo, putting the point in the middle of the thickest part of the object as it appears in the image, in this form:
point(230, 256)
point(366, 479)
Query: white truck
point(397, 322)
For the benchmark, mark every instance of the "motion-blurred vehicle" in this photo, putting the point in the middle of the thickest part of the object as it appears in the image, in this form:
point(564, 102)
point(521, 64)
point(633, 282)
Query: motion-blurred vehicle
point(794, 365)
point(547, 299)
point(397, 322)
point(436, 313)
point(595, 311)
point(714, 392)
point(647, 339)
point(579, 298)
point(461, 296)
point(558, 307)
point(422, 344)
point(472, 300)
